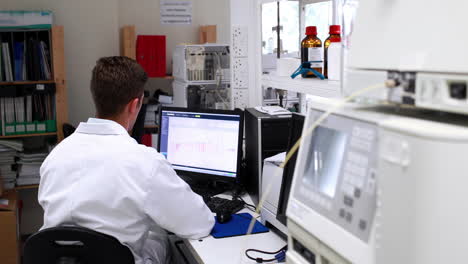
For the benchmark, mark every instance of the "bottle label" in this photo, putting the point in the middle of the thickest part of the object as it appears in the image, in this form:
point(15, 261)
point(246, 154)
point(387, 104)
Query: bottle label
point(316, 54)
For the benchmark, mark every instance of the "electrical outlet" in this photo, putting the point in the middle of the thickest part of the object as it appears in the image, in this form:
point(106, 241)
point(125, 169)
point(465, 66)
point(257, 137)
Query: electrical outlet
point(240, 97)
point(240, 73)
point(240, 41)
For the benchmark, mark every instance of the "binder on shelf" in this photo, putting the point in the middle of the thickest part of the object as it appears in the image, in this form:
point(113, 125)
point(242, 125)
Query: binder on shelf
point(45, 60)
point(29, 124)
point(2, 74)
point(27, 109)
point(25, 56)
point(7, 62)
point(19, 58)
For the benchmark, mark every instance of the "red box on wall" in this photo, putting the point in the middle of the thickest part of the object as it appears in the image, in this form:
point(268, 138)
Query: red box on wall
point(151, 54)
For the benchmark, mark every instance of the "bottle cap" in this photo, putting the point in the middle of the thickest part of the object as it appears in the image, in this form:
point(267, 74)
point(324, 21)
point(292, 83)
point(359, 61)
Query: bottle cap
point(311, 30)
point(335, 29)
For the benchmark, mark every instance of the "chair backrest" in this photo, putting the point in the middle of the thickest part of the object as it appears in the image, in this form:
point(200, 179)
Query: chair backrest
point(74, 245)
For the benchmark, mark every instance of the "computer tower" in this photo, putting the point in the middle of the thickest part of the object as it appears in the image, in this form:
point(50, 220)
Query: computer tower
point(265, 136)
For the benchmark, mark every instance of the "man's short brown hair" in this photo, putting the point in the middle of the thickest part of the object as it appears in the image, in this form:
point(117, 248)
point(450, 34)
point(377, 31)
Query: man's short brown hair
point(115, 82)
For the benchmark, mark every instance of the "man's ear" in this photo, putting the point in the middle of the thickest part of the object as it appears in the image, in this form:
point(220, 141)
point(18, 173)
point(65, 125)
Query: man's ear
point(134, 105)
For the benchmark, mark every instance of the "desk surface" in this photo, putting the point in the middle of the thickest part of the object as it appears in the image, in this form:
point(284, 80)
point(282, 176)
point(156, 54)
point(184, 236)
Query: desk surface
point(232, 249)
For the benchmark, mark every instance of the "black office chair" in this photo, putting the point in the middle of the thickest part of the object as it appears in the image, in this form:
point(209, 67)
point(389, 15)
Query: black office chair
point(74, 245)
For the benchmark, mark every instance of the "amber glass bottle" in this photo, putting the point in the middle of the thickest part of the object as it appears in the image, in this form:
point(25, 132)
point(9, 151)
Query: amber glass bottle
point(311, 50)
point(335, 36)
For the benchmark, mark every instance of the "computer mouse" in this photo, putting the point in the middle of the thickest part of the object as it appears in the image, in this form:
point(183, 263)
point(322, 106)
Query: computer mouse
point(223, 217)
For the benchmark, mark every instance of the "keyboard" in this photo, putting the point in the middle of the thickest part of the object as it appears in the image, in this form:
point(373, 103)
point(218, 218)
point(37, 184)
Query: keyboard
point(205, 192)
point(217, 204)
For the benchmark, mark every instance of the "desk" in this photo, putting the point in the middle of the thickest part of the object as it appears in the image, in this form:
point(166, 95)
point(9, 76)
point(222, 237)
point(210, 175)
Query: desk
point(232, 249)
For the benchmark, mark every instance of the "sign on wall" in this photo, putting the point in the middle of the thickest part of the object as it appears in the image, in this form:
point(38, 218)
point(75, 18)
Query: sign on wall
point(175, 12)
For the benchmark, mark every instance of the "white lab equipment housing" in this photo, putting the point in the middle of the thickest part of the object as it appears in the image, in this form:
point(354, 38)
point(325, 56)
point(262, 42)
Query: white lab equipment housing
point(374, 187)
point(201, 63)
point(202, 76)
point(272, 177)
point(420, 43)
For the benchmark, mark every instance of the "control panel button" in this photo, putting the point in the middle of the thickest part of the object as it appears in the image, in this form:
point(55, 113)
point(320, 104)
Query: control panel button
point(362, 224)
point(357, 193)
point(355, 169)
point(358, 159)
point(361, 144)
point(347, 189)
point(349, 217)
point(342, 213)
point(348, 201)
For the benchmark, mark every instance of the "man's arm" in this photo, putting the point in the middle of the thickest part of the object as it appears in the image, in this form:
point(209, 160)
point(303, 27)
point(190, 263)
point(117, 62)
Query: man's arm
point(174, 206)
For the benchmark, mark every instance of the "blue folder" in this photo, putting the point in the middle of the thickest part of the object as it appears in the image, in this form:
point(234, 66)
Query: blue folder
point(18, 52)
point(237, 226)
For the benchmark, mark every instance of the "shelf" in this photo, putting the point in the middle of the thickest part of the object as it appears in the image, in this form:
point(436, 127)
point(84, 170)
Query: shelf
point(203, 82)
point(317, 87)
point(27, 187)
point(167, 77)
point(26, 82)
point(151, 126)
point(30, 135)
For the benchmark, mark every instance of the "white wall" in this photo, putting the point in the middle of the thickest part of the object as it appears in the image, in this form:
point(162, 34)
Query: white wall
point(90, 32)
point(145, 15)
point(247, 14)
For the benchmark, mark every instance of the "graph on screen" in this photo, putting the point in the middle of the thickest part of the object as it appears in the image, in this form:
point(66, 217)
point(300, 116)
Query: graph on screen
point(203, 143)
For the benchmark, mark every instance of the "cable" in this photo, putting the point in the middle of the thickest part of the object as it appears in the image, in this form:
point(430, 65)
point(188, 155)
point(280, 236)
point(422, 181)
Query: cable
point(279, 255)
point(247, 204)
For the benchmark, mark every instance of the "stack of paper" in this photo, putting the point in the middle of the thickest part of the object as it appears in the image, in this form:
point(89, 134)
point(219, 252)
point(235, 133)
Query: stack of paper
point(8, 151)
point(11, 144)
point(29, 165)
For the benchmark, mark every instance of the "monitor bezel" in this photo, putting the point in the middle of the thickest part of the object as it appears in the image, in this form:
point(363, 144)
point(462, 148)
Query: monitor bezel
point(288, 172)
point(199, 176)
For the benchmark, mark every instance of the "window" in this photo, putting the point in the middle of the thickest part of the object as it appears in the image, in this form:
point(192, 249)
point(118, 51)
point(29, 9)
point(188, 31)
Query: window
point(319, 14)
point(269, 22)
point(288, 26)
point(289, 21)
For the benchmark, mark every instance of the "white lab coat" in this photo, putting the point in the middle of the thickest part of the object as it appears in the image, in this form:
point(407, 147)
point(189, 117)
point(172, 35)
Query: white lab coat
point(100, 178)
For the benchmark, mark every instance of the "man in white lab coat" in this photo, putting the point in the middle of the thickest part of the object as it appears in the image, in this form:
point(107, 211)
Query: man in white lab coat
point(101, 178)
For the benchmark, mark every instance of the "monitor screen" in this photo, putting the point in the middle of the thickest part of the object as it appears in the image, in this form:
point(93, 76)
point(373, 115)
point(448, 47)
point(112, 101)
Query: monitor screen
point(324, 159)
point(202, 142)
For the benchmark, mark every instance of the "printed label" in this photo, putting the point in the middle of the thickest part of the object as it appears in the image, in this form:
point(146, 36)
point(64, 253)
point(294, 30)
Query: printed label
point(20, 128)
point(316, 54)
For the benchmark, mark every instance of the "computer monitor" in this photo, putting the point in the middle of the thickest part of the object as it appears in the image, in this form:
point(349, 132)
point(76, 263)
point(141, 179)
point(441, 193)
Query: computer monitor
point(297, 124)
point(202, 145)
